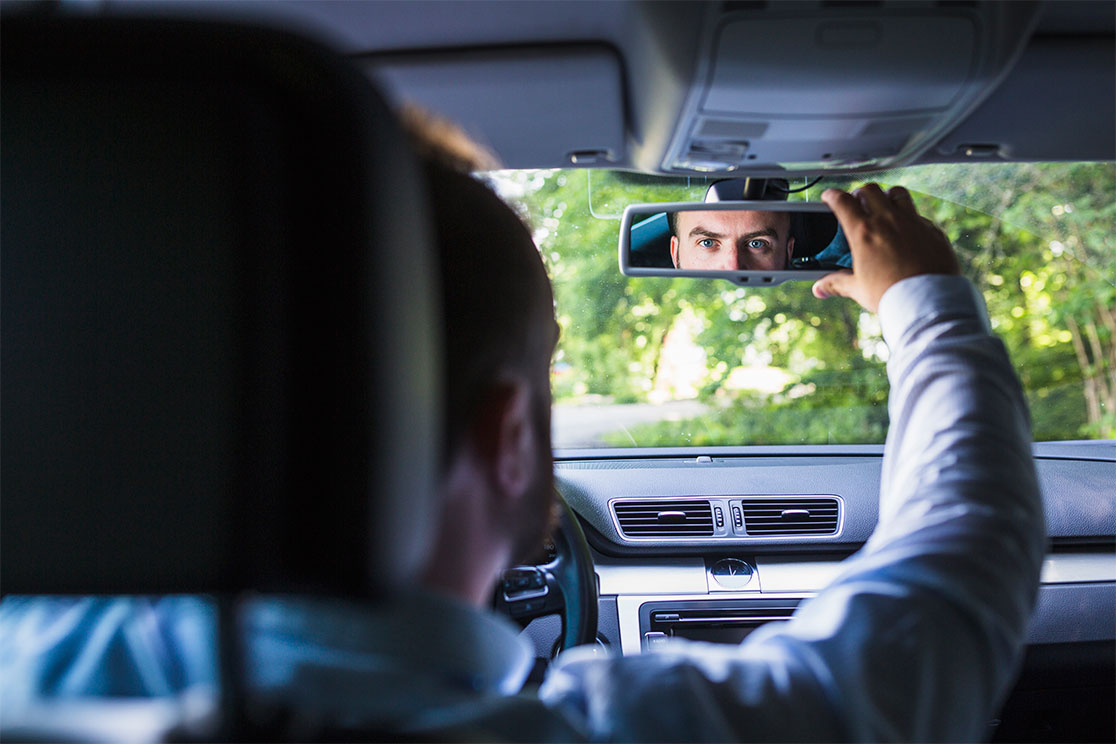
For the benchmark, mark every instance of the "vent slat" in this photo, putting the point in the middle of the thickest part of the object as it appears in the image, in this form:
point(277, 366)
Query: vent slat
point(805, 531)
point(667, 532)
point(642, 518)
point(664, 530)
point(655, 514)
point(638, 520)
point(779, 509)
point(813, 517)
point(780, 520)
point(665, 527)
point(812, 528)
point(764, 517)
point(693, 518)
point(783, 507)
point(665, 507)
point(776, 512)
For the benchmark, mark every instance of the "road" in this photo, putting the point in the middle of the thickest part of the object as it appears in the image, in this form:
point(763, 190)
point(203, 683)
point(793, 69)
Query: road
point(577, 426)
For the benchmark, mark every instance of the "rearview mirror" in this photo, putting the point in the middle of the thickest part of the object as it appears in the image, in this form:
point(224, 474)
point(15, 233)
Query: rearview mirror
point(757, 242)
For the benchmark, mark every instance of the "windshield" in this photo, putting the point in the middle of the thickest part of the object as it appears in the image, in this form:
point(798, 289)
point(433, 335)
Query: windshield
point(665, 361)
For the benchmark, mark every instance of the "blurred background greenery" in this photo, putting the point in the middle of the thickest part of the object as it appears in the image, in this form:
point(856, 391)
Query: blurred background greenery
point(776, 365)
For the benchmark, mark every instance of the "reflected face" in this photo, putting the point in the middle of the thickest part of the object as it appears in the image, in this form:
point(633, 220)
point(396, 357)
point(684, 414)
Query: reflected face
point(731, 241)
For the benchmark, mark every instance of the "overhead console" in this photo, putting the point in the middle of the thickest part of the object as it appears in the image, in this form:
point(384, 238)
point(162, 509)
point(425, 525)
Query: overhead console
point(787, 87)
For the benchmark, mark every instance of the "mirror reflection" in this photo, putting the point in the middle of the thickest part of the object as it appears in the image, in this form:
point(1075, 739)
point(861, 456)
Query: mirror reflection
point(739, 240)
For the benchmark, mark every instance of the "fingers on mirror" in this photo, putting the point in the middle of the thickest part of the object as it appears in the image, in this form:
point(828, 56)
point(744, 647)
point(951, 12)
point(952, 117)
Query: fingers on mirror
point(872, 198)
point(846, 206)
point(901, 198)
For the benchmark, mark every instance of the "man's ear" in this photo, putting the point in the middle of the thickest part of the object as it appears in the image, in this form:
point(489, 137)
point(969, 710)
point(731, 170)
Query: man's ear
point(506, 438)
point(674, 250)
point(790, 248)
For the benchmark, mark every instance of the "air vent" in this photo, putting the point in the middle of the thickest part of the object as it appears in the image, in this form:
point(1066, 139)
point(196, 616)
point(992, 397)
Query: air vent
point(666, 518)
point(790, 517)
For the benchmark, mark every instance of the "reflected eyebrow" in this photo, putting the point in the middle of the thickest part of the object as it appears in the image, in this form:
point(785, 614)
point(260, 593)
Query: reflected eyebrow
point(699, 230)
point(704, 232)
point(767, 231)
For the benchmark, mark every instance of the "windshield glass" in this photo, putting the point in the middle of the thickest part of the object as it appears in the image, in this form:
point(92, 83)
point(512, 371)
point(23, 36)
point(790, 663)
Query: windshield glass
point(667, 361)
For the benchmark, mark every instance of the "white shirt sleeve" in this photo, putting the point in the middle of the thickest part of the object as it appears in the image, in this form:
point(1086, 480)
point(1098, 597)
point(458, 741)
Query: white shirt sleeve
point(919, 637)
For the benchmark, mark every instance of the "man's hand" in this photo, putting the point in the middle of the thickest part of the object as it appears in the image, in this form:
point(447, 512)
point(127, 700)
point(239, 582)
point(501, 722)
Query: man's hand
point(889, 241)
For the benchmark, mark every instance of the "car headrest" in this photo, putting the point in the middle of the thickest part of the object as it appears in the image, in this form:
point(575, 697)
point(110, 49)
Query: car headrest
point(220, 362)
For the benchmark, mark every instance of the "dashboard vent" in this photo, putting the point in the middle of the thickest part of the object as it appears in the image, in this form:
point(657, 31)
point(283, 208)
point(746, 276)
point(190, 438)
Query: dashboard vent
point(665, 518)
point(790, 517)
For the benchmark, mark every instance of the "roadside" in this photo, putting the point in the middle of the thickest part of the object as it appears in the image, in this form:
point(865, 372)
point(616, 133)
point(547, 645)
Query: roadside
point(583, 425)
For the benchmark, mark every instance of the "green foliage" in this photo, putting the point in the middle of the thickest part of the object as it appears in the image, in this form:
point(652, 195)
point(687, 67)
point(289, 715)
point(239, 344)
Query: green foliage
point(841, 414)
point(1047, 268)
point(1036, 239)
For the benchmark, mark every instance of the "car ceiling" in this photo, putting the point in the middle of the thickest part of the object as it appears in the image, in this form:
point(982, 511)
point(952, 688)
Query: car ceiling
point(621, 84)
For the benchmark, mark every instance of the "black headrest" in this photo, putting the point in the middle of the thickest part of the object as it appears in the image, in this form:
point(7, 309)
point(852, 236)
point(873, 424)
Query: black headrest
point(219, 367)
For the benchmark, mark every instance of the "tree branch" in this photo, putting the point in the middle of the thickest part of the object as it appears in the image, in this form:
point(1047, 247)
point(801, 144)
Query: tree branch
point(1092, 402)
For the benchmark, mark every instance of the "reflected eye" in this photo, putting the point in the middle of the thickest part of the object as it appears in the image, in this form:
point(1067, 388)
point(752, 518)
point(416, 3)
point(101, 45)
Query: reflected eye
point(757, 245)
point(707, 243)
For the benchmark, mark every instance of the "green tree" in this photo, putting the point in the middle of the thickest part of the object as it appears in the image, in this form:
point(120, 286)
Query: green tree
point(1035, 238)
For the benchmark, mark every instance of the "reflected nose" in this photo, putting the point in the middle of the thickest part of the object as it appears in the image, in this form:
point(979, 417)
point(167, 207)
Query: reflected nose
point(743, 260)
point(728, 260)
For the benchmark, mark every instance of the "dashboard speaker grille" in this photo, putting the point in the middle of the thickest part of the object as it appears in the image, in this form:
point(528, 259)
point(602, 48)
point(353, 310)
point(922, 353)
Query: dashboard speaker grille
point(665, 518)
point(790, 517)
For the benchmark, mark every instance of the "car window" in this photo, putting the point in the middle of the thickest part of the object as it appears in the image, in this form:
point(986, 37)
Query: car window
point(660, 361)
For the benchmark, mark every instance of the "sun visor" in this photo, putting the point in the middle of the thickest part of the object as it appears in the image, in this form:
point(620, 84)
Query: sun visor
point(839, 88)
point(497, 94)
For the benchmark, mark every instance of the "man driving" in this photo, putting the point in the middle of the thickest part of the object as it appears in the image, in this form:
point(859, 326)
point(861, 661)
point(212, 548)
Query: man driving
point(916, 640)
point(731, 240)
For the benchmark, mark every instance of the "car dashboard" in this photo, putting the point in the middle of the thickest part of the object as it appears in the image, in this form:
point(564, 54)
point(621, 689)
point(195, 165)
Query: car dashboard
point(710, 544)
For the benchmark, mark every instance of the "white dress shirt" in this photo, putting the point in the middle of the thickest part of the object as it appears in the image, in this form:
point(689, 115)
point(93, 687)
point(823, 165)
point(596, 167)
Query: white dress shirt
point(917, 639)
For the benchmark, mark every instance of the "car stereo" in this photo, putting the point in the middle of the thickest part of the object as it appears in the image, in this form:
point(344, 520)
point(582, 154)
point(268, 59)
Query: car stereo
point(714, 620)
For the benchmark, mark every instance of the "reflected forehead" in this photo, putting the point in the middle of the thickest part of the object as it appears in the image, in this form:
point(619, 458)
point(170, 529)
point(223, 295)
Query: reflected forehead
point(732, 221)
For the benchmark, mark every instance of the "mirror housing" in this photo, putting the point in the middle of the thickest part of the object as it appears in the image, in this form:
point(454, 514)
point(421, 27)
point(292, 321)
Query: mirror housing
point(745, 242)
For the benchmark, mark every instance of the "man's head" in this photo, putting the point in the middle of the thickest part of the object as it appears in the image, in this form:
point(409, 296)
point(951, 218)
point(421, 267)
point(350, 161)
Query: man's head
point(731, 240)
point(499, 335)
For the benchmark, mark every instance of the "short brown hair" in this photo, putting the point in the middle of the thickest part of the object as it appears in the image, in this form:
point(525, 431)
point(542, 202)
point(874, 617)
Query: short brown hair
point(497, 305)
point(439, 140)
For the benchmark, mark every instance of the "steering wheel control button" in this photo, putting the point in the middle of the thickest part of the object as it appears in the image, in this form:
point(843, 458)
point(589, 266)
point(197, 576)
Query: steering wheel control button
point(523, 582)
point(527, 606)
point(731, 574)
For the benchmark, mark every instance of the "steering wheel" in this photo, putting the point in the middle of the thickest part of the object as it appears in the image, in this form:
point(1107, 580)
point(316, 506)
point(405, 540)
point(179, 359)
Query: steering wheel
point(564, 585)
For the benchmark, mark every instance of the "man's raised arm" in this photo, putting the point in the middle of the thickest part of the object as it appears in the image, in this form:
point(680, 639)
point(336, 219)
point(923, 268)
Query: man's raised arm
point(949, 578)
point(919, 637)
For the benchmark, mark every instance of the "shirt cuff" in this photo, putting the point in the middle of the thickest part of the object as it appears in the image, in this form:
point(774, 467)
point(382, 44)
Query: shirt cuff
point(918, 299)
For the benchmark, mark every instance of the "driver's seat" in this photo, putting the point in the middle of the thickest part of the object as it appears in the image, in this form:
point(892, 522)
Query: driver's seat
point(220, 372)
